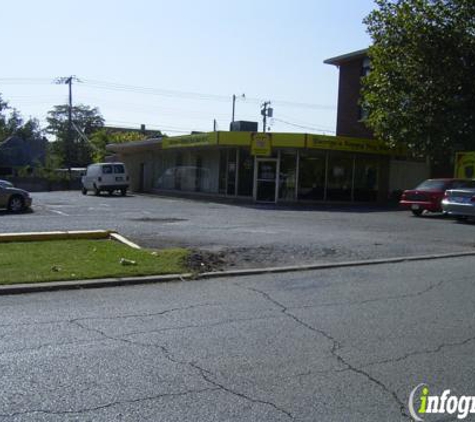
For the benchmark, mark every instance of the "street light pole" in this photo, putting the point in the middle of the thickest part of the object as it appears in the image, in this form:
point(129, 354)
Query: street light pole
point(234, 105)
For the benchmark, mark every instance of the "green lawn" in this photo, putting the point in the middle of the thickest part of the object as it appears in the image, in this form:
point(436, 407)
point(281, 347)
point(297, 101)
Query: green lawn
point(31, 262)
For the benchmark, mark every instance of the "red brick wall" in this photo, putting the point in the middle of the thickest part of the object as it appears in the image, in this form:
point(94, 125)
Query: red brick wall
point(348, 123)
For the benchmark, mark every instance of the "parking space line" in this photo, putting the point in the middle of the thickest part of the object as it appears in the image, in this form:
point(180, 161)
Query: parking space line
point(60, 213)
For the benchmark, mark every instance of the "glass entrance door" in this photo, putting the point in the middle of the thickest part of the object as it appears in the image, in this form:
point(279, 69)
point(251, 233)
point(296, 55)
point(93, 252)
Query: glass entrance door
point(266, 180)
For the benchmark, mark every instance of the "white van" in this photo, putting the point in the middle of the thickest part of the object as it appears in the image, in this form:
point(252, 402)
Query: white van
point(107, 177)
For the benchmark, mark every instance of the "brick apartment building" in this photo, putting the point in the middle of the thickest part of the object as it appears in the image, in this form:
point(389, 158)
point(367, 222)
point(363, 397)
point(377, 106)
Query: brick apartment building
point(350, 115)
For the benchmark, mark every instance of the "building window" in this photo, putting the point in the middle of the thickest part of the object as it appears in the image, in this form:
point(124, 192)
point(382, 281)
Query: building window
point(288, 175)
point(363, 112)
point(340, 177)
point(246, 173)
point(362, 108)
point(366, 183)
point(312, 175)
point(366, 68)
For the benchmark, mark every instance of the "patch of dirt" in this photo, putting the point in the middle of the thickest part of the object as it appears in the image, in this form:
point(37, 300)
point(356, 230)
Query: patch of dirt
point(257, 257)
point(206, 261)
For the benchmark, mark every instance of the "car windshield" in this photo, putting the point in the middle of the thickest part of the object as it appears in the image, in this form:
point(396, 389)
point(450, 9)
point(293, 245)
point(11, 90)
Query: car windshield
point(118, 168)
point(432, 185)
point(459, 184)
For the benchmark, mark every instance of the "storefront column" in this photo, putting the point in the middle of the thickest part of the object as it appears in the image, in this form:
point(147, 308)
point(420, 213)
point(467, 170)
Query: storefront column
point(326, 176)
point(277, 186)
point(353, 175)
point(297, 175)
point(236, 184)
point(227, 175)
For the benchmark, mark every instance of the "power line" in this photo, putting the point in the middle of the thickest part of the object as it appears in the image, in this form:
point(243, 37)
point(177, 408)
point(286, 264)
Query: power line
point(141, 90)
point(194, 95)
point(25, 81)
point(113, 86)
point(301, 126)
point(297, 121)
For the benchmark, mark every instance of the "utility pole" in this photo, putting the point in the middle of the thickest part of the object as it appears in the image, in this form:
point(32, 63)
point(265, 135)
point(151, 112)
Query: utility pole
point(266, 112)
point(69, 139)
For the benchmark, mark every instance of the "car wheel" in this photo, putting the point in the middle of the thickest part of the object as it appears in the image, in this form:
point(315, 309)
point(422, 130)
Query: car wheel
point(84, 191)
point(123, 192)
point(16, 204)
point(417, 213)
point(460, 218)
point(97, 191)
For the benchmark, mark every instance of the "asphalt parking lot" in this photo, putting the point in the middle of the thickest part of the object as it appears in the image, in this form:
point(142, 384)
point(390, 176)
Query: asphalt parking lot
point(248, 236)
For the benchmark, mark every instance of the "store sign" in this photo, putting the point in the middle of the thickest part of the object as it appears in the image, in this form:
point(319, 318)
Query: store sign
point(465, 165)
point(204, 139)
point(339, 143)
point(261, 145)
point(288, 140)
point(242, 139)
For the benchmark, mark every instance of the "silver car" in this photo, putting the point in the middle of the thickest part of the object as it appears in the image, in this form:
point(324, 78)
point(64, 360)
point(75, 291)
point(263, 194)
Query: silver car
point(6, 183)
point(13, 199)
point(460, 203)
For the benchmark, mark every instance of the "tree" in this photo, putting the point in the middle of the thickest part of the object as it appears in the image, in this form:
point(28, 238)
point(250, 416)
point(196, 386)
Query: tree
point(12, 123)
point(73, 149)
point(421, 89)
point(103, 137)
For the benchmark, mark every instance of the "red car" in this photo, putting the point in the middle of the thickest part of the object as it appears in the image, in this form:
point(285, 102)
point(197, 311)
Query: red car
point(429, 194)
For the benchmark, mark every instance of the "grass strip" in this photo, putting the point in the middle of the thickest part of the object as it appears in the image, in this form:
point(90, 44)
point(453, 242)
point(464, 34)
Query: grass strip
point(55, 260)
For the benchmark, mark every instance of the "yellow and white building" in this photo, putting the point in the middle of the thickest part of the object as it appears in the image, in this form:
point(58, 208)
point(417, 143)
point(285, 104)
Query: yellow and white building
point(269, 167)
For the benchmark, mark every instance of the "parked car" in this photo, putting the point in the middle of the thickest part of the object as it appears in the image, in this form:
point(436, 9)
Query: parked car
point(429, 194)
point(13, 199)
point(107, 177)
point(6, 183)
point(460, 203)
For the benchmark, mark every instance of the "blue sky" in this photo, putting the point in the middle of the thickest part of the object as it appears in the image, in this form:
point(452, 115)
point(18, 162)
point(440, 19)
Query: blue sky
point(144, 61)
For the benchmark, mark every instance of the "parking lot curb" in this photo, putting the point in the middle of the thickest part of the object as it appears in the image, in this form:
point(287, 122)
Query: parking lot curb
point(55, 235)
point(130, 281)
point(67, 235)
point(14, 289)
point(331, 265)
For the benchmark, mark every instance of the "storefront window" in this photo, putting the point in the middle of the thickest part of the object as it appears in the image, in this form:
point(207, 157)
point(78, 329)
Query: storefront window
point(184, 172)
point(366, 179)
point(246, 173)
point(288, 175)
point(177, 174)
point(200, 173)
point(340, 177)
point(312, 175)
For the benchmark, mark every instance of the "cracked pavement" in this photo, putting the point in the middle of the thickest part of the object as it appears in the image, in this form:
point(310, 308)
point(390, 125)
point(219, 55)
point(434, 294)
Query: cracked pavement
point(343, 344)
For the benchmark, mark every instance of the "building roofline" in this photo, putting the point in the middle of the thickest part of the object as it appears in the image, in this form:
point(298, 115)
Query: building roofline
point(336, 61)
point(133, 144)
